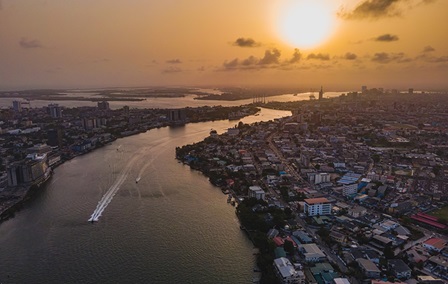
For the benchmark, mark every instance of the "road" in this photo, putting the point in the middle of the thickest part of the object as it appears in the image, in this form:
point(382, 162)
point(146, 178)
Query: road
point(290, 170)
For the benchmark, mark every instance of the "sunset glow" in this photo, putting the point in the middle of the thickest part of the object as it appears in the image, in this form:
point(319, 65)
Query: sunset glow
point(306, 23)
point(342, 44)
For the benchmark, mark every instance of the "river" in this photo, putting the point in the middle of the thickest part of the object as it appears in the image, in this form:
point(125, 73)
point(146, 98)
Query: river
point(161, 102)
point(172, 226)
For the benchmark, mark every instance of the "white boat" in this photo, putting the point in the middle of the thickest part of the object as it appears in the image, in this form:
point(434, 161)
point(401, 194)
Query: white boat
point(137, 179)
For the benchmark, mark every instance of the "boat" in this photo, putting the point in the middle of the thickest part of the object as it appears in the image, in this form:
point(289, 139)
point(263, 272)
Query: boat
point(137, 179)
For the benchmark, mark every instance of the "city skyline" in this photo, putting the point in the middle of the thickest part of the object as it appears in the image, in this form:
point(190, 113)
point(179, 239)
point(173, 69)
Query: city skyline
point(340, 44)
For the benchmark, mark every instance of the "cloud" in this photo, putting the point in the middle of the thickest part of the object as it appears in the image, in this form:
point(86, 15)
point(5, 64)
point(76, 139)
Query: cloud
point(270, 57)
point(296, 57)
point(372, 9)
point(318, 56)
point(384, 58)
point(272, 60)
point(376, 9)
point(386, 38)
point(245, 42)
point(174, 61)
point(172, 69)
point(428, 48)
point(251, 60)
point(433, 59)
point(232, 64)
point(29, 43)
point(350, 56)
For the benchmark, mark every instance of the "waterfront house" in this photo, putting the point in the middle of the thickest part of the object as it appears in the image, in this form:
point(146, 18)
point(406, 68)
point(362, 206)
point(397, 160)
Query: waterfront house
point(287, 273)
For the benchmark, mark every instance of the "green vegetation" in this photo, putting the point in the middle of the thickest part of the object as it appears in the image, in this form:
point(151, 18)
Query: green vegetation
point(256, 218)
point(441, 214)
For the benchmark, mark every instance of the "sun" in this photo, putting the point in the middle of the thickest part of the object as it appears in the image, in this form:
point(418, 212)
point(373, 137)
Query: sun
point(306, 23)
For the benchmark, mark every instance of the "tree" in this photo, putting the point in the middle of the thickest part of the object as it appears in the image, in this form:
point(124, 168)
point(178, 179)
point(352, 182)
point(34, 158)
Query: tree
point(388, 252)
point(436, 169)
point(376, 158)
point(289, 247)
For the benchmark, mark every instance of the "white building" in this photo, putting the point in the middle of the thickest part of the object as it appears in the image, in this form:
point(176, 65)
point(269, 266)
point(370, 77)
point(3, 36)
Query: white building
point(317, 206)
point(321, 178)
point(257, 192)
point(287, 273)
point(349, 189)
point(341, 281)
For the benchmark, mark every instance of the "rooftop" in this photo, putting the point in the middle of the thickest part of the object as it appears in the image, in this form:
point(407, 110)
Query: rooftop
point(312, 201)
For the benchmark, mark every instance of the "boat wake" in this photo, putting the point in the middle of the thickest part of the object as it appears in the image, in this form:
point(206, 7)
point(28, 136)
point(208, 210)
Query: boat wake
point(110, 193)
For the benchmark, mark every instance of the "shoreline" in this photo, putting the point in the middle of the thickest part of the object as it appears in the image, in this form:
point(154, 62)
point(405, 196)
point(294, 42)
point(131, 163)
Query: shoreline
point(17, 202)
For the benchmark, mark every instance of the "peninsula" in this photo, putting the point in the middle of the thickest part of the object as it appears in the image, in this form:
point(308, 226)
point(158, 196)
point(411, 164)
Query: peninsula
point(350, 188)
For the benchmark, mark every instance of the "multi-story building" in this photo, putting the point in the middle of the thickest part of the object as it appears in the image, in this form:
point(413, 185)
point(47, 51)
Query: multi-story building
point(287, 273)
point(55, 110)
point(32, 170)
point(311, 253)
point(317, 206)
point(369, 268)
point(349, 189)
point(321, 178)
point(17, 106)
point(104, 105)
point(399, 268)
point(256, 192)
point(177, 115)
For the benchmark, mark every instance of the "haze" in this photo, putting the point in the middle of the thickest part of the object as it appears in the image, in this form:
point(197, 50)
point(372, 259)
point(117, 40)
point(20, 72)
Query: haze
point(106, 43)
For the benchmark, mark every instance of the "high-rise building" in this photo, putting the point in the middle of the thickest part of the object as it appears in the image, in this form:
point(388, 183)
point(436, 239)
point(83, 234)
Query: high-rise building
point(364, 90)
point(54, 110)
point(55, 137)
point(321, 93)
point(17, 106)
point(32, 170)
point(177, 115)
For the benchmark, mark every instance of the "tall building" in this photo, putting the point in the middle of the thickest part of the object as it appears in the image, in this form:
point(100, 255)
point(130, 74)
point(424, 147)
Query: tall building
point(55, 137)
point(32, 170)
point(177, 115)
point(17, 106)
point(321, 93)
point(104, 105)
point(55, 111)
point(364, 90)
point(321, 178)
point(411, 91)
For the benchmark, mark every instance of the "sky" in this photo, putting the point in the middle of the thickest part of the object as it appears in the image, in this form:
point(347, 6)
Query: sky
point(340, 44)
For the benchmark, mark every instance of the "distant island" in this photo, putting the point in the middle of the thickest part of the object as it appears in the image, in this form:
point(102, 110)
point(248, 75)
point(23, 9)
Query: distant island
point(140, 94)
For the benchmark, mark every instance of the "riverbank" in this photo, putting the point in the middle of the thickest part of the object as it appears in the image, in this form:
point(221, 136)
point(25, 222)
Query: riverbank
point(11, 198)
